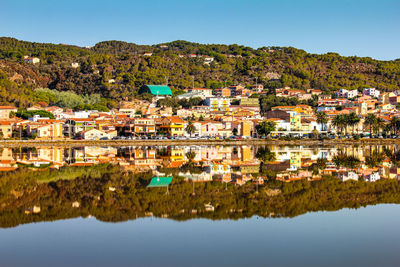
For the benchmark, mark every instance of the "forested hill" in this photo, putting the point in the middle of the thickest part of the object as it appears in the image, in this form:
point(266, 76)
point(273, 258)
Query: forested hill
point(116, 69)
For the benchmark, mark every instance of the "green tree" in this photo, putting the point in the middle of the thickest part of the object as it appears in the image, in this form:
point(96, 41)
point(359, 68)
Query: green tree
point(265, 127)
point(338, 123)
point(190, 128)
point(322, 119)
point(370, 122)
point(265, 155)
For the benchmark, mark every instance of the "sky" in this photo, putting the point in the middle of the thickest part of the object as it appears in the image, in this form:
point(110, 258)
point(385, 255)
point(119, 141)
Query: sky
point(348, 27)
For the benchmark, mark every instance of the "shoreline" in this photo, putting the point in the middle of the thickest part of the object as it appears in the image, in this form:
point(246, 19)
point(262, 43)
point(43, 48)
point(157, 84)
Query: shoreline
point(35, 143)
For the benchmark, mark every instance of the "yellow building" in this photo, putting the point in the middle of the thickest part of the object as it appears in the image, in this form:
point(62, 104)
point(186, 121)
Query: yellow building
point(173, 126)
point(295, 122)
point(246, 128)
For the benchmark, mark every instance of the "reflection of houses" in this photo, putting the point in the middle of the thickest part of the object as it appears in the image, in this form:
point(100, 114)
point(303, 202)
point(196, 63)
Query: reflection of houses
point(197, 177)
point(295, 176)
point(41, 156)
point(78, 157)
point(141, 157)
point(7, 162)
point(348, 175)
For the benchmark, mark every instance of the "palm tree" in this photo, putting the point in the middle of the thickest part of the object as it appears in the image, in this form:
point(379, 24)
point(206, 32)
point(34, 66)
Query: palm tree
point(190, 128)
point(352, 119)
point(379, 125)
point(395, 125)
point(338, 122)
point(322, 119)
point(370, 121)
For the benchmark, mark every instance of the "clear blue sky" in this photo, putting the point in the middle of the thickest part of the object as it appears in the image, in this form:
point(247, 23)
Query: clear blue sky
point(349, 27)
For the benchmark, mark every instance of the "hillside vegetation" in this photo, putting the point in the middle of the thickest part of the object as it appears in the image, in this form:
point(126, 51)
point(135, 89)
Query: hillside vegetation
point(115, 70)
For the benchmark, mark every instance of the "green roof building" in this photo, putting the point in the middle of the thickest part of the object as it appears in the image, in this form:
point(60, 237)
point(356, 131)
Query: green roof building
point(160, 181)
point(156, 90)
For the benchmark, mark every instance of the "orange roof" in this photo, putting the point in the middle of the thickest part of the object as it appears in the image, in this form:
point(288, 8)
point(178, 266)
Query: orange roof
point(175, 119)
point(7, 107)
point(81, 119)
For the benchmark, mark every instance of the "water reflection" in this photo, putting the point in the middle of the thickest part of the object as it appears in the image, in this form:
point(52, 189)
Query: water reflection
point(217, 182)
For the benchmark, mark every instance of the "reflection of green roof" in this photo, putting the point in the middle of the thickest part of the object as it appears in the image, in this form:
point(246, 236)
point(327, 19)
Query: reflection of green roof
point(156, 89)
point(160, 181)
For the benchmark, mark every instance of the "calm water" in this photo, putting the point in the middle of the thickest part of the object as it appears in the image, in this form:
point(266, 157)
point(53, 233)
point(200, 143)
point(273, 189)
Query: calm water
point(199, 205)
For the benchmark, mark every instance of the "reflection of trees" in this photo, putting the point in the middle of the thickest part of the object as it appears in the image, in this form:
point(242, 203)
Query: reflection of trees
point(190, 156)
point(393, 154)
point(319, 165)
point(374, 159)
point(342, 160)
point(131, 199)
point(265, 155)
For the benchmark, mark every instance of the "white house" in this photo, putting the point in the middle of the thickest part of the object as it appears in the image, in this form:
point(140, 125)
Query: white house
point(344, 93)
point(345, 176)
point(208, 60)
point(373, 177)
point(206, 92)
point(371, 92)
point(94, 134)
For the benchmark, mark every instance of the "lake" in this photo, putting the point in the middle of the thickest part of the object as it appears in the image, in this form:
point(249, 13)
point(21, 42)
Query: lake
point(199, 205)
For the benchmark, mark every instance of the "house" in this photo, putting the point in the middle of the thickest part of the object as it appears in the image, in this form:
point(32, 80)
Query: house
point(222, 92)
point(156, 90)
point(344, 93)
point(287, 92)
point(32, 60)
point(332, 102)
point(148, 54)
point(209, 129)
point(138, 127)
point(258, 88)
point(394, 100)
point(200, 91)
point(243, 92)
point(75, 65)
point(371, 92)
point(76, 125)
point(5, 129)
point(385, 107)
point(218, 103)
point(208, 60)
point(49, 131)
point(173, 126)
point(94, 134)
point(277, 114)
point(6, 110)
point(235, 88)
point(246, 128)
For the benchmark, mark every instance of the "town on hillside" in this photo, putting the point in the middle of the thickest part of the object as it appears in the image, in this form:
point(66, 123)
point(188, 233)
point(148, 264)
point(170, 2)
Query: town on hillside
point(224, 113)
